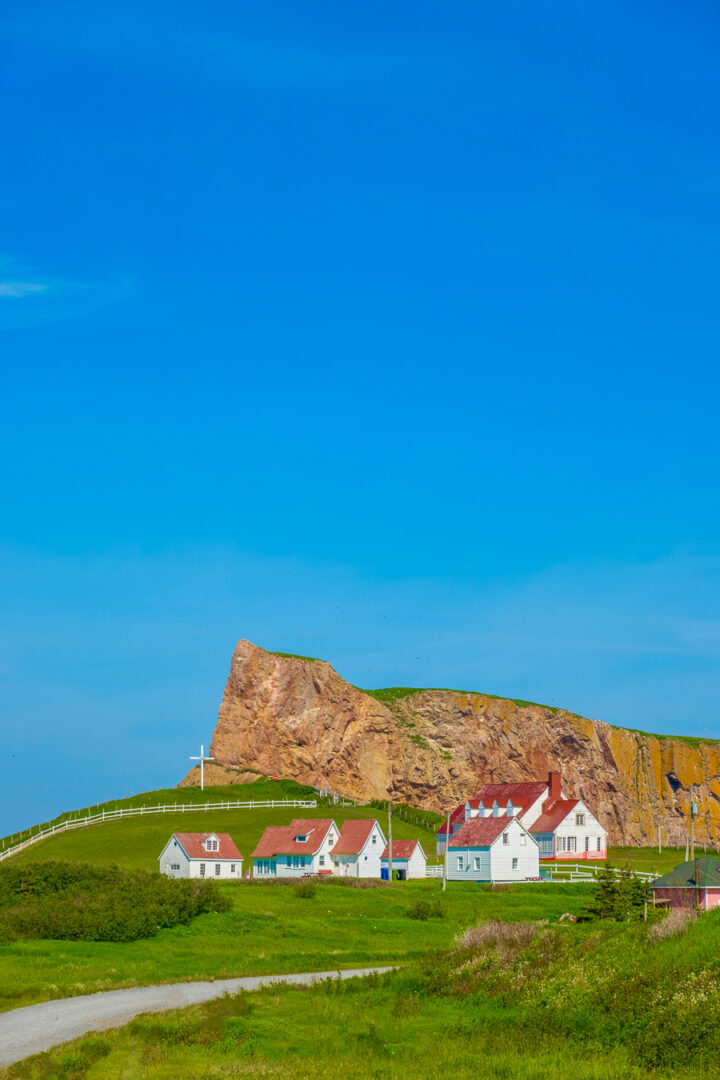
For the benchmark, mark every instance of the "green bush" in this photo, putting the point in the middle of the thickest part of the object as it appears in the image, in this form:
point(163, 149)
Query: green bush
point(426, 909)
point(79, 902)
point(305, 889)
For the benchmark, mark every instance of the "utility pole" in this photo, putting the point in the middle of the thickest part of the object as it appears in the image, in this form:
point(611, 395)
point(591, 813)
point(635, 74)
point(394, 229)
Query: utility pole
point(202, 759)
point(390, 866)
point(659, 840)
point(447, 845)
point(693, 812)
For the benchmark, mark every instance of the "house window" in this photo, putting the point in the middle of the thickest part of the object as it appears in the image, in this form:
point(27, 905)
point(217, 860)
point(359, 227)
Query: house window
point(599, 843)
point(217, 869)
point(289, 860)
point(202, 869)
point(523, 839)
point(515, 864)
point(587, 843)
point(546, 844)
point(579, 819)
point(374, 838)
point(211, 845)
point(572, 843)
point(322, 860)
point(301, 839)
point(477, 862)
point(331, 839)
point(506, 838)
point(175, 866)
point(561, 843)
point(232, 867)
point(296, 860)
point(459, 862)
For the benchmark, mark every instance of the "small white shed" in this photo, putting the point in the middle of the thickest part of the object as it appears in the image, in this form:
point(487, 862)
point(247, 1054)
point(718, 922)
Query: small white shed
point(408, 859)
point(201, 855)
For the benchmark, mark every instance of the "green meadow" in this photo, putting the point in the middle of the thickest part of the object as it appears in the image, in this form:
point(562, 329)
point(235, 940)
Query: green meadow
point(269, 930)
point(513, 1002)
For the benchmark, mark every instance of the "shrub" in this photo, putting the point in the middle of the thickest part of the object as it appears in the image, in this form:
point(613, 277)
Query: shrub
point(305, 889)
point(426, 909)
point(77, 902)
point(517, 934)
point(674, 923)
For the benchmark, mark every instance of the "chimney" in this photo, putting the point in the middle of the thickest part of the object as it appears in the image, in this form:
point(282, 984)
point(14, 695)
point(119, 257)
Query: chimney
point(554, 792)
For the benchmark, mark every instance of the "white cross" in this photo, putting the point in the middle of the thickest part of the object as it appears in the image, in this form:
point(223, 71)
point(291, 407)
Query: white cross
point(202, 759)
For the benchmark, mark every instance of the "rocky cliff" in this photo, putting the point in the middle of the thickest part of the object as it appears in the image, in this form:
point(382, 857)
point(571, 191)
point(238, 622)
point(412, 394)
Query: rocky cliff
point(432, 748)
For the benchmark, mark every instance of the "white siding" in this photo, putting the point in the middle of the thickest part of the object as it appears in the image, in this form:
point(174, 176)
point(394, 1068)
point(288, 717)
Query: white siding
point(367, 863)
point(496, 862)
point(522, 850)
point(174, 857)
point(574, 837)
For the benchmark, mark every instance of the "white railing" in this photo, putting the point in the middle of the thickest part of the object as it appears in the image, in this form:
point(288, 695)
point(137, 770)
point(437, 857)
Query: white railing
point(586, 871)
point(433, 870)
point(136, 811)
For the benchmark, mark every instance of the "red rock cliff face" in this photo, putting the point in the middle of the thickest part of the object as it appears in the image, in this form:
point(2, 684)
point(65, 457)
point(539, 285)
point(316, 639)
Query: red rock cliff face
point(433, 748)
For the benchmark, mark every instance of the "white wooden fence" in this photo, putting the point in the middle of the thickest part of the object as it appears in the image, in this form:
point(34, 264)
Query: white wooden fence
point(141, 811)
point(562, 871)
point(585, 871)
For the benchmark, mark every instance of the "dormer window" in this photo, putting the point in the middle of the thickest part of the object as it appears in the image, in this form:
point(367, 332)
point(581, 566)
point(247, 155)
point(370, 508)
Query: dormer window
point(301, 838)
point(212, 844)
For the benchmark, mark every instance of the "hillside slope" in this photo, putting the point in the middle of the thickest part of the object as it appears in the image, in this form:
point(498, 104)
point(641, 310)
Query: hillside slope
point(297, 717)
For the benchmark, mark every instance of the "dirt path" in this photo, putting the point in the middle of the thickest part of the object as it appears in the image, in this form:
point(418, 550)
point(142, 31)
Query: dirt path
point(35, 1028)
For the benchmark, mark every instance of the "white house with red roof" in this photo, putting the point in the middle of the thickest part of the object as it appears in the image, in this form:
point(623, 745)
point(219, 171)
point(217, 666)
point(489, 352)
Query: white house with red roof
point(359, 849)
point(408, 859)
point(564, 828)
point(493, 849)
point(293, 851)
point(201, 855)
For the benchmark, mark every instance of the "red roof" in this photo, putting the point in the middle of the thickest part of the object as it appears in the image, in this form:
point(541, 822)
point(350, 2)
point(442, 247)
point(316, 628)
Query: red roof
point(354, 836)
point(457, 815)
point(193, 844)
point(280, 839)
point(520, 794)
point(402, 849)
point(553, 814)
point(480, 831)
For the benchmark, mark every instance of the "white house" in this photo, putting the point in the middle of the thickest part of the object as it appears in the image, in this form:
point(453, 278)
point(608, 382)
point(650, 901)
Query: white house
point(296, 850)
point(359, 849)
point(564, 828)
point(408, 858)
point(567, 830)
point(201, 855)
point(493, 849)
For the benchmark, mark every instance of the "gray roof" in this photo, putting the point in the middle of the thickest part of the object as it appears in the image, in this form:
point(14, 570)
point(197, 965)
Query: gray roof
point(684, 875)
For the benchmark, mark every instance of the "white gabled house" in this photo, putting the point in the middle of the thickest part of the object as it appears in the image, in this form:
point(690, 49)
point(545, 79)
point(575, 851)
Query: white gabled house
point(408, 859)
point(201, 855)
point(493, 849)
point(564, 828)
point(359, 849)
point(296, 850)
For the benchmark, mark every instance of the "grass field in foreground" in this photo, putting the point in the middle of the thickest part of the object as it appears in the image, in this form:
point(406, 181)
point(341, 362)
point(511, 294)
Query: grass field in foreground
point(559, 1002)
point(272, 930)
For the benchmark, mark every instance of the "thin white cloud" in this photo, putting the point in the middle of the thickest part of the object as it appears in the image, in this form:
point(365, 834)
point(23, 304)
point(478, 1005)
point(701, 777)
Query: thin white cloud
point(18, 289)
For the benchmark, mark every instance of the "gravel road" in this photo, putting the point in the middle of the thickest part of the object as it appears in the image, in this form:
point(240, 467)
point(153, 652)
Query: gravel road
point(35, 1028)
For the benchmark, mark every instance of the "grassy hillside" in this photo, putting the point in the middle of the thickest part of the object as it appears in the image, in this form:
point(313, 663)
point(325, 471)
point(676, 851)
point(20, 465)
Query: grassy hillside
point(271, 929)
point(262, 788)
point(137, 841)
point(585, 1002)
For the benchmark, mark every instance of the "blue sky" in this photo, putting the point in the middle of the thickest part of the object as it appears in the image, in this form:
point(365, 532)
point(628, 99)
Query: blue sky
point(382, 334)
